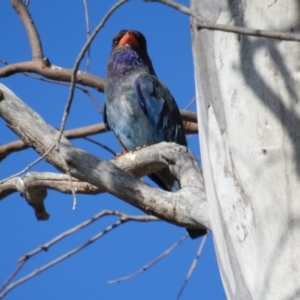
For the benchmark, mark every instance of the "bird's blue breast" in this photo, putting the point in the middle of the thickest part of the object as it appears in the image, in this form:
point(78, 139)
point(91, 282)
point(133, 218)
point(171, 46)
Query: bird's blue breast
point(123, 63)
point(125, 117)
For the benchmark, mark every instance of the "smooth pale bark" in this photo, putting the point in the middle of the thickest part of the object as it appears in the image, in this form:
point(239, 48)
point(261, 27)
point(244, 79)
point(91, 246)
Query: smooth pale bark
point(249, 123)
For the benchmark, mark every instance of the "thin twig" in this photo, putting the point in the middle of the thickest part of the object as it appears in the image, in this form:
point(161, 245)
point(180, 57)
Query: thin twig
point(82, 225)
point(60, 259)
point(77, 62)
point(30, 165)
point(123, 218)
point(11, 276)
point(75, 133)
point(88, 33)
point(83, 88)
point(71, 187)
point(101, 145)
point(189, 122)
point(73, 81)
point(4, 62)
point(190, 103)
point(151, 263)
point(206, 24)
point(86, 91)
point(193, 266)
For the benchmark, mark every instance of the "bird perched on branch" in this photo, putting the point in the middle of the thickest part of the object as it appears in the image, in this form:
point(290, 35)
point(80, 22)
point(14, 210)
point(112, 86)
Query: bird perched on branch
point(139, 108)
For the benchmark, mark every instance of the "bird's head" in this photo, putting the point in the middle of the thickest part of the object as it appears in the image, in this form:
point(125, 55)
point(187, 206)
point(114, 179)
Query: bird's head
point(134, 40)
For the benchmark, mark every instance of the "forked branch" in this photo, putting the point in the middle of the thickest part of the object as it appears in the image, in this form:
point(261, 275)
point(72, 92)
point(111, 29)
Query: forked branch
point(187, 208)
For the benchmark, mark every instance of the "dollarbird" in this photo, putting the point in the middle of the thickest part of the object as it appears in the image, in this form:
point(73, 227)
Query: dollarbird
point(139, 108)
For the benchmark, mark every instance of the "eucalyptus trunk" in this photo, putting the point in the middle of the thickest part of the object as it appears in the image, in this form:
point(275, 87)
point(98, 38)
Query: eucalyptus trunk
point(248, 94)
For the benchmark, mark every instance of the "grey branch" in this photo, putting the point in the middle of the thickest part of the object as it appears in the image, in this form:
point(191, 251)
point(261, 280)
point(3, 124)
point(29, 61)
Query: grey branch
point(192, 267)
point(152, 262)
point(187, 208)
point(123, 218)
point(189, 122)
point(206, 24)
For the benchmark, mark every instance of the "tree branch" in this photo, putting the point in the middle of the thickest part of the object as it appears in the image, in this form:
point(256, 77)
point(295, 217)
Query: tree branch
point(39, 64)
point(123, 218)
point(189, 123)
point(152, 262)
point(88, 33)
point(192, 267)
point(79, 59)
point(46, 69)
point(206, 24)
point(33, 186)
point(187, 208)
point(33, 36)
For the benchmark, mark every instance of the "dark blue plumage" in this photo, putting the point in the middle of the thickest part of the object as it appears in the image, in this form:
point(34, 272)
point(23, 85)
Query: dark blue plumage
point(139, 108)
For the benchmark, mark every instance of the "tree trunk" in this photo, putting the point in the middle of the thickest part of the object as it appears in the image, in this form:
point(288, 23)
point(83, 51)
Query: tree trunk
point(248, 107)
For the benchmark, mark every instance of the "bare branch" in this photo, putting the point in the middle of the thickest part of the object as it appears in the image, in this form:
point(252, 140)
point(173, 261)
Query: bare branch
point(189, 116)
point(101, 145)
point(78, 60)
point(43, 181)
point(11, 277)
point(188, 207)
point(86, 91)
point(45, 68)
point(39, 64)
point(190, 103)
point(151, 263)
point(123, 218)
point(193, 266)
point(88, 33)
point(33, 185)
point(33, 36)
point(42, 65)
point(82, 88)
point(81, 132)
point(76, 133)
point(206, 24)
point(72, 89)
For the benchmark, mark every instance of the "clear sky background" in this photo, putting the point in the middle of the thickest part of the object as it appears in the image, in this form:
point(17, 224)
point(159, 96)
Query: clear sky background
point(61, 25)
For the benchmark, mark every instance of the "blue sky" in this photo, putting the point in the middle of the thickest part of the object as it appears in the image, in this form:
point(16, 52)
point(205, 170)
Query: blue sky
point(61, 25)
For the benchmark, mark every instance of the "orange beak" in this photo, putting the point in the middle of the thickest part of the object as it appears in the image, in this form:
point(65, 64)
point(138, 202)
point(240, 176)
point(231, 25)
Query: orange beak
point(128, 38)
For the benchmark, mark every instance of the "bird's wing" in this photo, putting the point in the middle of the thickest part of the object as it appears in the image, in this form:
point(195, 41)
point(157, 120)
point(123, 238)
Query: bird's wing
point(159, 106)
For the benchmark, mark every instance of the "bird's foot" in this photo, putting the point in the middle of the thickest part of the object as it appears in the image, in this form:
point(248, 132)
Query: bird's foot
point(140, 147)
point(120, 154)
